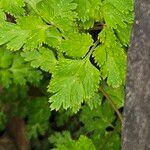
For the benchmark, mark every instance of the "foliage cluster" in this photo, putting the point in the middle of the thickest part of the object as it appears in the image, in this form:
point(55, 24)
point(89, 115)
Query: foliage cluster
point(62, 68)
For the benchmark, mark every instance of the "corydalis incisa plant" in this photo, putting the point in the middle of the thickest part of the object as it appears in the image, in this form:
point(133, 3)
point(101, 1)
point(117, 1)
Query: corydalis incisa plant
point(53, 36)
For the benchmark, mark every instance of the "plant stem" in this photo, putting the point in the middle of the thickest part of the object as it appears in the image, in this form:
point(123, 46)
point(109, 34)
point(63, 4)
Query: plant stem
point(92, 49)
point(111, 103)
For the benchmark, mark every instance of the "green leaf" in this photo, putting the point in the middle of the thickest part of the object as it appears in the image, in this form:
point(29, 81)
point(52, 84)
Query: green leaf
point(63, 116)
point(111, 58)
point(38, 116)
point(65, 142)
point(72, 82)
point(87, 9)
point(12, 35)
point(62, 140)
point(113, 143)
point(116, 75)
point(117, 95)
point(123, 6)
point(33, 3)
point(108, 37)
point(43, 58)
point(53, 37)
point(2, 16)
point(59, 13)
point(76, 45)
point(6, 58)
point(16, 70)
point(124, 34)
point(97, 119)
point(18, 92)
point(84, 143)
point(22, 71)
point(36, 31)
point(115, 12)
point(110, 139)
point(3, 120)
point(89, 12)
point(27, 35)
point(14, 7)
point(100, 55)
point(94, 101)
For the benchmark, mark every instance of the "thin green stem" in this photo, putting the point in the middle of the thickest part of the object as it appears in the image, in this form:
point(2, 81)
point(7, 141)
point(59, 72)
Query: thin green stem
point(111, 103)
point(92, 49)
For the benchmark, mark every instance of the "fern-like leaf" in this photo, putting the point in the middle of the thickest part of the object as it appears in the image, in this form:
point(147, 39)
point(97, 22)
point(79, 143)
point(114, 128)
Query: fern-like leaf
point(27, 35)
point(14, 7)
point(13, 69)
point(73, 81)
point(111, 57)
point(43, 58)
point(115, 12)
point(76, 45)
point(59, 13)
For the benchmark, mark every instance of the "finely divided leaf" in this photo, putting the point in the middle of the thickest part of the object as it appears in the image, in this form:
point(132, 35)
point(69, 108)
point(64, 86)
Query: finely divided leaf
point(87, 9)
point(43, 58)
point(14, 7)
point(33, 4)
point(97, 119)
point(2, 17)
point(76, 45)
point(84, 143)
point(59, 13)
point(53, 37)
point(73, 81)
point(38, 116)
point(95, 101)
point(27, 35)
point(89, 12)
point(64, 141)
point(115, 12)
point(117, 95)
point(124, 34)
point(111, 58)
point(13, 69)
point(100, 55)
point(116, 67)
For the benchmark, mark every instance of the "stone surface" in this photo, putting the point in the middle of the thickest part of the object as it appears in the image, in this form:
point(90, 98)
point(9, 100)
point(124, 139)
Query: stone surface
point(136, 124)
